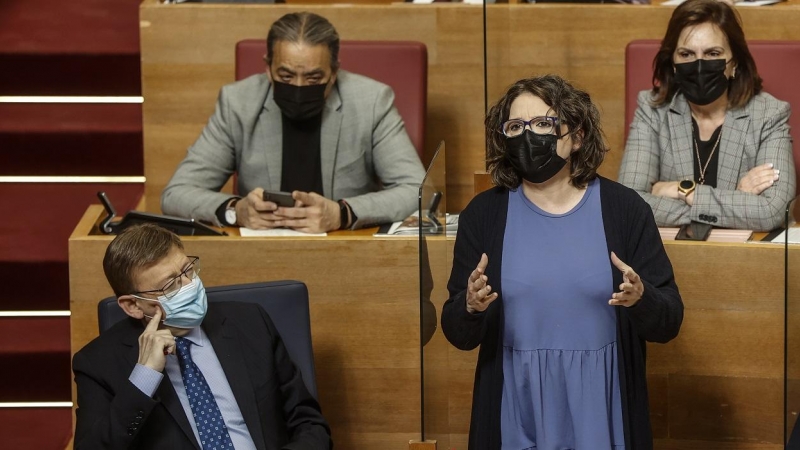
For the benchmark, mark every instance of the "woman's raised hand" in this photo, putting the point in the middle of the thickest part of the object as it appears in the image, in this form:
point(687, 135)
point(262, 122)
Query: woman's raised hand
point(479, 293)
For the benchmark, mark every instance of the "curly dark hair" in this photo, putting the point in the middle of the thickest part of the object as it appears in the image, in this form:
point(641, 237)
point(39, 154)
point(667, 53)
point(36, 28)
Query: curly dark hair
point(572, 106)
point(695, 12)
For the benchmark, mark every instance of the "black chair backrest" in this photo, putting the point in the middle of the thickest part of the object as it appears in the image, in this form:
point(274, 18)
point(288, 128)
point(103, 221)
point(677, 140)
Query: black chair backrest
point(286, 302)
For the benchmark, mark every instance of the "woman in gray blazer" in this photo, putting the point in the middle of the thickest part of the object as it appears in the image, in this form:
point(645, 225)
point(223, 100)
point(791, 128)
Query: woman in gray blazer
point(706, 144)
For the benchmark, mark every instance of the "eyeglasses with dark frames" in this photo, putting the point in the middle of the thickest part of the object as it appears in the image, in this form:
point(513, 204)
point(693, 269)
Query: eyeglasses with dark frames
point(174, 285)
point(542, 125)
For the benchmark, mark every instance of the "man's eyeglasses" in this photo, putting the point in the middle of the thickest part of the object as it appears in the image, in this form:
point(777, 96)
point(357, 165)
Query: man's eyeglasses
point(174, 285)
point(542, 125)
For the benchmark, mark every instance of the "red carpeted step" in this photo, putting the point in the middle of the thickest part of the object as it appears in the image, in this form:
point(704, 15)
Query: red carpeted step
point(77, 154)
point(69, 27)
point(46, 213)
point(36, 368)
point(70, 74)
point(19, 295)
point(70, 118)
point(35, 377)
point(71, 139)
point(42, 335)
point(35, 428)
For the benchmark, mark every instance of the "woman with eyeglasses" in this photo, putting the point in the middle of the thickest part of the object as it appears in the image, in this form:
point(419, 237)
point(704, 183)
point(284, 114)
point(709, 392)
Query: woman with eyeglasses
point(560, 276)
point(706, 143)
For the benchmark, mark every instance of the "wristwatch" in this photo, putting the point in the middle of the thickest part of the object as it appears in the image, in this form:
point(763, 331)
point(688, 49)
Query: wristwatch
point(343, 208)
point(685, 188)
point(230, 212)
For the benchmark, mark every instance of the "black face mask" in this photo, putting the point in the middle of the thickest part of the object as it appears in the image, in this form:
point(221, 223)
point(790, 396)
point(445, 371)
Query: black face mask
point(702, 81)
point(534, 156)
point(300, 102)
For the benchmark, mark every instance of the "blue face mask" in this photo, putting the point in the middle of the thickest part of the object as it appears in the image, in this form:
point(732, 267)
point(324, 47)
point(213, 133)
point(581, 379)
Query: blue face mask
point(187, 308)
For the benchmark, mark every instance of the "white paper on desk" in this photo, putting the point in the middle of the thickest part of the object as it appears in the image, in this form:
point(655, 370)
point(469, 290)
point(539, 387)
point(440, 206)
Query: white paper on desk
point(758, 3)
point(276, 232)
point(398, 229)
point(717, 234)
point(794, 236)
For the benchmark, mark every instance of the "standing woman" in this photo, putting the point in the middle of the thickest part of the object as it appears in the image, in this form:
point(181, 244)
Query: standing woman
point(560, 276)
point(706, 143)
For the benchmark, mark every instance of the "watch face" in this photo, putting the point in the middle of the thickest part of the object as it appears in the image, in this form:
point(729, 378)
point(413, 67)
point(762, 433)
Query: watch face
point(230, 216)
point(686, 184)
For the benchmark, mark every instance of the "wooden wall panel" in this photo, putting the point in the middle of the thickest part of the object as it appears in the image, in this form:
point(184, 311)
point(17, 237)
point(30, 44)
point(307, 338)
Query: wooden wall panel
point(658, 390)
point(726, 409)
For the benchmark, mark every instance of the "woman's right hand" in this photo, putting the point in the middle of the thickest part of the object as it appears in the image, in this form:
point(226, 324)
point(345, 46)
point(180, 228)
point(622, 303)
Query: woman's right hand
point(479, 293)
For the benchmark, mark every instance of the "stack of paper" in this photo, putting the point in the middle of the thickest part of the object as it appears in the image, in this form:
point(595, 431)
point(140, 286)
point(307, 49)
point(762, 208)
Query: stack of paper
point(410, 226)
point(280, 232)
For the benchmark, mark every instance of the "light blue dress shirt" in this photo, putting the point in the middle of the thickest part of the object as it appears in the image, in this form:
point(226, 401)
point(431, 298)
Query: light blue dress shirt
point(147, 380)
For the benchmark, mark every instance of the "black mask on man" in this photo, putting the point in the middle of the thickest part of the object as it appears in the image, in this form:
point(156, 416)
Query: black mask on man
point(534, 156)
point(702, 81)
point(300, 102)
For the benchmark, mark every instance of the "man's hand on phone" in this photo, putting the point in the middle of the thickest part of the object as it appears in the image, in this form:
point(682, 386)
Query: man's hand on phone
point(253, 212)
point(313, 213)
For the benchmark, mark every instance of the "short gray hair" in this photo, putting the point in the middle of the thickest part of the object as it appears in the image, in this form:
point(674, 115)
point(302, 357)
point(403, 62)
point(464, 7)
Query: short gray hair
point(304, 27)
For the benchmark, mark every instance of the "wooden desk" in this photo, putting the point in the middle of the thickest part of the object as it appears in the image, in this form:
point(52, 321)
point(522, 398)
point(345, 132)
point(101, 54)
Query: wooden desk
point(719, 385)
point(364, 303)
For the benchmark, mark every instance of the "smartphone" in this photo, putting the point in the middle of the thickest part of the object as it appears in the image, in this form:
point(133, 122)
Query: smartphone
point(694, 231)
point(279, 198)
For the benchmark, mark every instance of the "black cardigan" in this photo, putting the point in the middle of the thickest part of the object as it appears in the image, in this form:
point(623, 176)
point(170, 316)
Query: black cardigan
point(632, 234)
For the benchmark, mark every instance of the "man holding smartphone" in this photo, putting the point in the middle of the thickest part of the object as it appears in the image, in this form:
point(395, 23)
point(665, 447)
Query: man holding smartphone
point(330, 138)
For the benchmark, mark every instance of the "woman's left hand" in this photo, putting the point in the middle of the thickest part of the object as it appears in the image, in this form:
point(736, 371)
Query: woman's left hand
point(631, 287)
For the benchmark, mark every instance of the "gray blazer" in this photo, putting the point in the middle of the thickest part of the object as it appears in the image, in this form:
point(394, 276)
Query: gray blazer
point(366, 155)
point(660, 147)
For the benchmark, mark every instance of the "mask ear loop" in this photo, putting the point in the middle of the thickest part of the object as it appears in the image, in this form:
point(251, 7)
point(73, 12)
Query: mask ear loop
point(164, 313)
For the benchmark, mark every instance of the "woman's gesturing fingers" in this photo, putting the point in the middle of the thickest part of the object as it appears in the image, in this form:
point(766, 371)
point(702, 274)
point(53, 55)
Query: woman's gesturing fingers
point(479, 292)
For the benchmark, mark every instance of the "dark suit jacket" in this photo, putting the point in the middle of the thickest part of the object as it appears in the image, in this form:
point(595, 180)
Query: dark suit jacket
point(112, 413)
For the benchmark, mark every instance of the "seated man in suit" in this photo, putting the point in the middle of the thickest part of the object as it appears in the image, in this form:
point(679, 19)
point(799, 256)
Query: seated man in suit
point(229, 380)
point(332, 138)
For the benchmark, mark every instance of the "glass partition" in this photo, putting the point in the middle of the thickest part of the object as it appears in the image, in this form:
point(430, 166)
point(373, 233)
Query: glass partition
point(434, 264)
point(791, 239)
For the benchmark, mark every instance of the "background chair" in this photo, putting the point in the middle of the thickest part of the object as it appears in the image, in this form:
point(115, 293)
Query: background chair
point(778, 64)
point(403, 65)
point(286, 302)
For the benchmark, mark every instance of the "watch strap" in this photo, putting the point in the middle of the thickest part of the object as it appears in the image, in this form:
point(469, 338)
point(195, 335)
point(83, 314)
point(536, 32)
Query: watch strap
point(343, 216)
point(227, 204)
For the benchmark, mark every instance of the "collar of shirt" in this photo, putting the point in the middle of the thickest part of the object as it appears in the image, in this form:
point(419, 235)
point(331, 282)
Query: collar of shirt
point(197, 336)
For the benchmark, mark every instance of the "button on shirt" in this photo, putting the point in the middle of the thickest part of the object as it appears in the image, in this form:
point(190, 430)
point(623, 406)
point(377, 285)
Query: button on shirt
point(147, 380)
